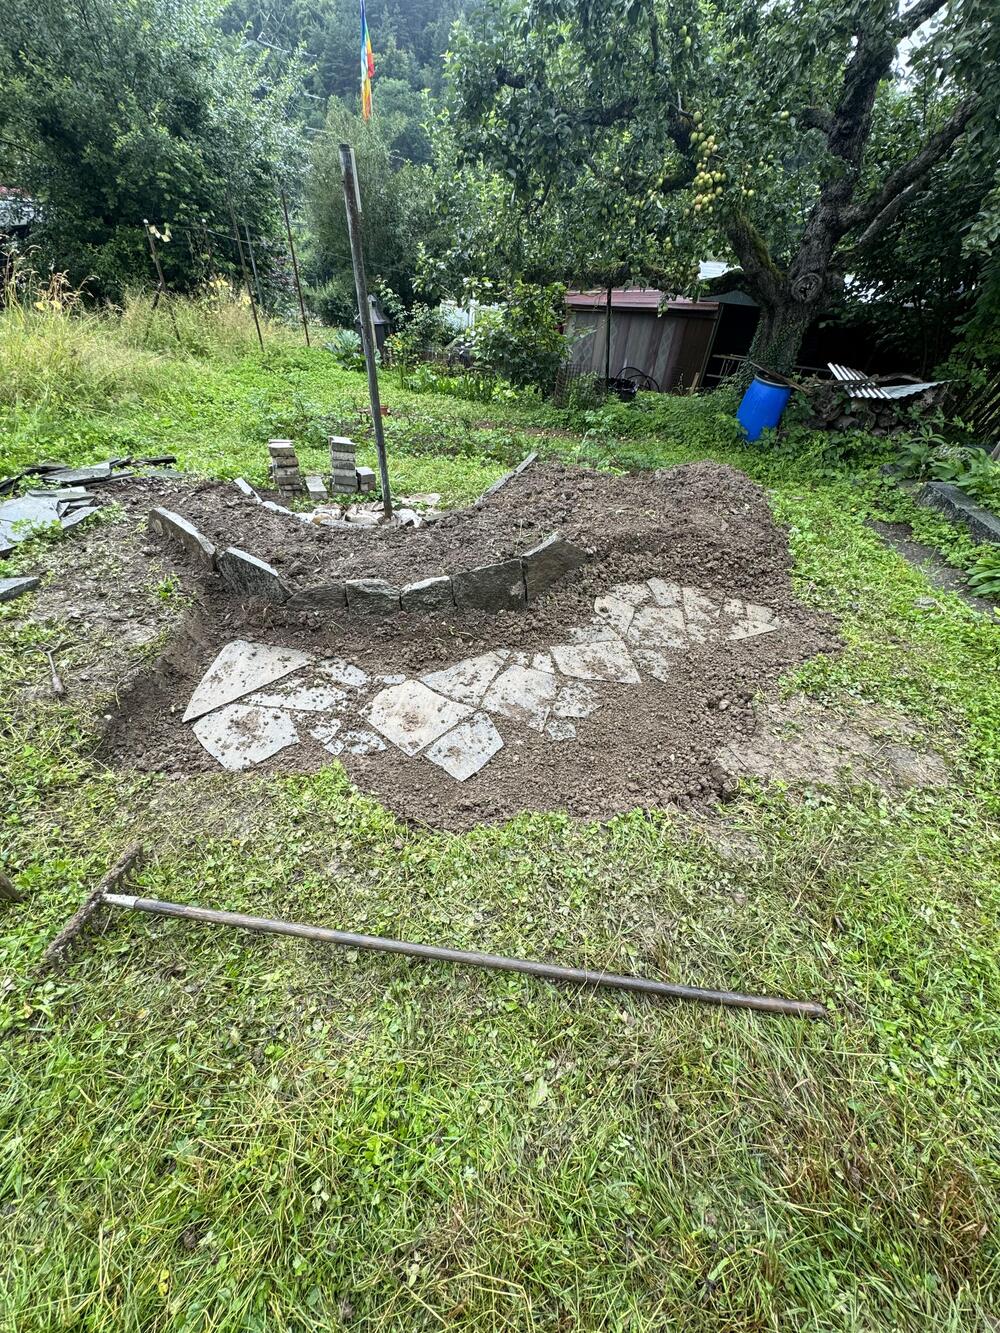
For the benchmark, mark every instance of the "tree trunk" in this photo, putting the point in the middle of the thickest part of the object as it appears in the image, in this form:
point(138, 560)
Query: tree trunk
point(779, 335)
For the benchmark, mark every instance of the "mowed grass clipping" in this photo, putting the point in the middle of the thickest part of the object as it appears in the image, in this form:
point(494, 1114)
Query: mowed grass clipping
point(202, 1130)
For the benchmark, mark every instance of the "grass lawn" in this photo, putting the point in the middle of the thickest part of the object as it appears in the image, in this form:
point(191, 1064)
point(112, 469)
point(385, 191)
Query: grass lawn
point(203, 1130)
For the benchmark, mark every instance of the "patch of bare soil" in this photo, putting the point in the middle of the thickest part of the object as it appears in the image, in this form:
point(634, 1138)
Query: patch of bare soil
point(682, 741)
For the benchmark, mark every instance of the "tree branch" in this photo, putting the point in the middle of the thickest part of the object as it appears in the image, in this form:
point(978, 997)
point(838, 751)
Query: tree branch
point(816, 118)
point(760, 273)
point(917, 14)
point(867, 214)
point(881, 220)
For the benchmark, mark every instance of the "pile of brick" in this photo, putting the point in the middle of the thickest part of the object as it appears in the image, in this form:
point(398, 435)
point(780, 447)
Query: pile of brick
point(343, 469)
point(285, 472)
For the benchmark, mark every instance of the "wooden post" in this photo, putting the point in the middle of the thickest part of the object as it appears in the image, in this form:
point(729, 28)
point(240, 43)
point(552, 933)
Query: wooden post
point(246, 276)
point(352, 202)
point(295, 267)
point(607, 343)
point(161, 288)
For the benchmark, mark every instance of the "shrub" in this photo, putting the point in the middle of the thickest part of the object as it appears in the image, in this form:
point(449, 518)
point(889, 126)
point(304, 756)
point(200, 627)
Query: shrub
point(423, 333)
point(520, 341)
point(344, 345)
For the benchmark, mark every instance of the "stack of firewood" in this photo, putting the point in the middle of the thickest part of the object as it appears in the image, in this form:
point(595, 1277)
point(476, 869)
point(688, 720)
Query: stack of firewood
point(829, 406)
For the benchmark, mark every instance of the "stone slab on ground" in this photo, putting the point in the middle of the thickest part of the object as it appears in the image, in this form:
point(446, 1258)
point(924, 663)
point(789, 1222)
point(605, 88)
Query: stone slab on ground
point(300, 696)
point(315, 486)
point(71, 476)
point(412, 716)
point(548, 562)
point(365, 479)
point(241, 735)
point(596, 661)
point(176, 528)
point(246, 489)
point(468, 681)
point(76, 516)
point(502, 481)
point(250, 577)
point(372, 597)
point(20, 517)
point(498, 587)
point(240, 668)
point(433, 594)
point(522, 694)
point(464, 750)
point(323, 597)
point(17, 587)
point(984, 525)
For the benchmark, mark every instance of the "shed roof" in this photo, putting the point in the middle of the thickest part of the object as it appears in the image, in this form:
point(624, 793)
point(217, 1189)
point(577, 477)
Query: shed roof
point(637, 299)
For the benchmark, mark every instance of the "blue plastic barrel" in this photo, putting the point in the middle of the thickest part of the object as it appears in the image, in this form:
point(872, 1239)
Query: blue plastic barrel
point(762, 406)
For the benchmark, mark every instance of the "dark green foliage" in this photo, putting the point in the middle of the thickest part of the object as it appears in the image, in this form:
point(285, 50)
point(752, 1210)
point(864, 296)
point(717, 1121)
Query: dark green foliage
point(520, 341)
point(118, 111)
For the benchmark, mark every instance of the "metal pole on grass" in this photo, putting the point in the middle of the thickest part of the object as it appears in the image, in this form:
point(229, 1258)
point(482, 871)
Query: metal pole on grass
point(607, 343)
point(295, 267)
point(352, 202)
point(246, 276)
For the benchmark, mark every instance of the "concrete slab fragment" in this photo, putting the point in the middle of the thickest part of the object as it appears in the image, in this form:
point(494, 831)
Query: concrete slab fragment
point(467, 681)
point(755, 620)
point(21, 517)
point(658, 627)
point(560, 729)
point(700, 614)
point(362, 742)
point(239, 669)
point(575, 700)
point(465, 749)
point(655, 664)
point(615, 611)
point(326, 734)
point(543, 662)
point(76, 516)
point(343, 673)
point(17, 587)
point(596, 661)
point(301, 697)
point(598, 632)
point(523, 694)
point(411, 715)
point(241, 735)
point(664, 592)
point(634, 593)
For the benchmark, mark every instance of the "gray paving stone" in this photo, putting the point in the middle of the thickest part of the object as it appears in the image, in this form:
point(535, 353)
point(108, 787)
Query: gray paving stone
point(498, 587)
point(300, 697)
point(522, 694)
point(323, 597)
point(372, 597)
point(700, 614)
point(175, 528)
point(576, 700)
point(465, 749)
point(246, 489)
point(560, 729)
point(21, 517)
point(749, 620)
point(596, 661)
point(434, 594)
point(343, 673)
point(411, 715)
point(616, 612)
point(276, 508)
point(658, 627)
point(250, 577)
point(315, 486)
point(76, 516)
point(548, 562)
point(362, 742)
point(17, 587)
point(241, 735)
point(71, 476)
point(240, 668)
point(596, 632)
point(467, 681)
point(655, 664)
point(664, 592)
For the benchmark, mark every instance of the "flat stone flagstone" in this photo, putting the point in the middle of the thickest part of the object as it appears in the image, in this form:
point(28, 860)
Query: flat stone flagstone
point(250, 577)
point(301, 698)
point(467, 681)
point(241, 668)
point(412, 716)
point(445, 716)
point(596, 661)
point(17, 587)
point(522, 694)
point(465, 749)
point(242, 734)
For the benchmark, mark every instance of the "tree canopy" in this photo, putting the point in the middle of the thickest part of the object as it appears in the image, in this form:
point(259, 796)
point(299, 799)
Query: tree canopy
point(755, 133)
point(164, 118)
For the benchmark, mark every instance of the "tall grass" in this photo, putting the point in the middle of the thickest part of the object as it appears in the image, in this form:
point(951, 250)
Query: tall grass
point(56, 350)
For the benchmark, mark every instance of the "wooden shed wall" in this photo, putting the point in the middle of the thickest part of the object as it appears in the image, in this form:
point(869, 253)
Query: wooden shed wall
point(669, 347)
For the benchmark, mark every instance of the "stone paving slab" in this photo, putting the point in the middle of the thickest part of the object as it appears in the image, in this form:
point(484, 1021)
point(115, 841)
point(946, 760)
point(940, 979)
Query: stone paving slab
point(241, 668)
point(412, 716)
point(17, 587)
point(596, 661)
point(465, 749)
point(523, 694)
point(240, 735)
point(467, 681)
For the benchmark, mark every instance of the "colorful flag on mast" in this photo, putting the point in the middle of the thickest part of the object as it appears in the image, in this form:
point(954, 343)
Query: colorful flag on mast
point(367, 66)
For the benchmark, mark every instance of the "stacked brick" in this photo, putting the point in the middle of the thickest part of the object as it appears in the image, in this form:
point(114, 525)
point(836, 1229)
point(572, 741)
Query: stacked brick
point(285, 472)
point(343, 468)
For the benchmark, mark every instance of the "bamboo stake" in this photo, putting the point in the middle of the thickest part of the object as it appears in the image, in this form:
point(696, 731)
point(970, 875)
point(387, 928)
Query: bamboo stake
point(246, 276)
point(295, 267)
